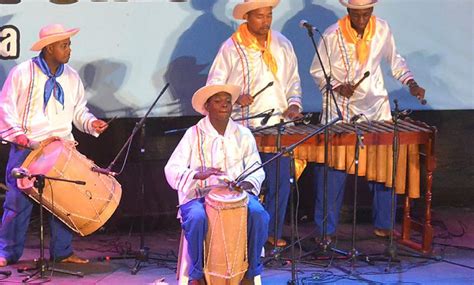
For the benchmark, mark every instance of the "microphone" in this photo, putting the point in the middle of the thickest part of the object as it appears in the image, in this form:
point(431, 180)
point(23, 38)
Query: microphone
point(103, 171)
point(355, 118)
point(31, 145)
point(20, 172)
point(308, 26)
point(267, 117)
point(307, 118)
point(360, 138)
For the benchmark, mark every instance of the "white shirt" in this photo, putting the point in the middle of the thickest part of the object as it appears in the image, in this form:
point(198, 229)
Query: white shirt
point(234, 152)
point(371, 97)
point(238, 65)
point(22, 103)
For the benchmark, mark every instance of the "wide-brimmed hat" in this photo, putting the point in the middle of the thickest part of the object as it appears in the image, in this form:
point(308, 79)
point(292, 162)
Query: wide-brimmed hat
point(200, 97)
point(243, 8)
point(51, 34)
point(358, 4)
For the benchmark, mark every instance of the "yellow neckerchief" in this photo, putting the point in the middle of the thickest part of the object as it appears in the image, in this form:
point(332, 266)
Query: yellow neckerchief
point(245, 38)
point(350, 35)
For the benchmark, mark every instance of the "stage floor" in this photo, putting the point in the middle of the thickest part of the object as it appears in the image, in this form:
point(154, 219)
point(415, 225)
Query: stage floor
point(451, 263)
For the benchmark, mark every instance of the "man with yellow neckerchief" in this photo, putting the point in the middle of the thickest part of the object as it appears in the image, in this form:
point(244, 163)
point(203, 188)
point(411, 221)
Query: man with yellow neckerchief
point(251, 58)
point(355, 44)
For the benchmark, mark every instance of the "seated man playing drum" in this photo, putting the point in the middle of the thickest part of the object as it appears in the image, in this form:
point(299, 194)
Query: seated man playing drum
point(212, 154)
point(40, 99)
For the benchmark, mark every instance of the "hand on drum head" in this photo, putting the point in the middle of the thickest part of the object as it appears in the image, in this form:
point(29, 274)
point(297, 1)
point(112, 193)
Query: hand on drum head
point(241, 186)
point(205, 172)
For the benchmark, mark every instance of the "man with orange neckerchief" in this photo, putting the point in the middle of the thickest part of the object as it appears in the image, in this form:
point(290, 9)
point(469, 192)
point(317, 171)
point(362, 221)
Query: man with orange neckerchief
point(358, 43)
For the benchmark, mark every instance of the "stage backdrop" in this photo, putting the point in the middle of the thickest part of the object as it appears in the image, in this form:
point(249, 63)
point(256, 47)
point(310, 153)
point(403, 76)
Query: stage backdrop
point(127, 50)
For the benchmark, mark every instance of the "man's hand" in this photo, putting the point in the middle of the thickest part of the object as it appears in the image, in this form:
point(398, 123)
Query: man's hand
point(345, 90)
point(245, 100)
point(293, 112)
point(99, 126)
point(205, 173)
point(241, 187)
point(416, 90)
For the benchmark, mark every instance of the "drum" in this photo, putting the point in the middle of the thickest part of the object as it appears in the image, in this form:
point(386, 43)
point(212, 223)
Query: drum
point(225, 251)
point(83, 208)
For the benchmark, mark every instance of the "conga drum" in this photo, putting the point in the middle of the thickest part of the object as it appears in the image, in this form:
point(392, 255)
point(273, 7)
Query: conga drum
point(83, 208)
point(225, 251)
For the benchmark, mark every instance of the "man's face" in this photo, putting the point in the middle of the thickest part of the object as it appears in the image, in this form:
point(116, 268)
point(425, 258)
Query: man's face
point(360, 18)
point(259, 21)
point(219, 106)
point(60, 51)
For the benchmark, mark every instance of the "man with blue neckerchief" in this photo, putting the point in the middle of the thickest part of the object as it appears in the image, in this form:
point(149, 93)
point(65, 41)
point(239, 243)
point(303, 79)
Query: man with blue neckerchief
point(40, 99)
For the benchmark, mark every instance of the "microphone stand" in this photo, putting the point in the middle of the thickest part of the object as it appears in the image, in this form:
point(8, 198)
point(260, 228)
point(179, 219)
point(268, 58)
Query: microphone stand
point(289, 150)
point(138, 126)
point(143, 253)
point(324, 242)
point(280, 128)
point(353, 254)
point(261, 115)
point(41, 265)
point(390, 254)
point(4, 141)
point(391, 250)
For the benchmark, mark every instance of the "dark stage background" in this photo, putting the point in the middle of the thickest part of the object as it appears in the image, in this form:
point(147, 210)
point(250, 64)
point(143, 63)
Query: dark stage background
point(452, 181)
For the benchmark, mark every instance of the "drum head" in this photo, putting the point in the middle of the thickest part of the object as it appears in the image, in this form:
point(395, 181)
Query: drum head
point(44, 159)
point(224, 194)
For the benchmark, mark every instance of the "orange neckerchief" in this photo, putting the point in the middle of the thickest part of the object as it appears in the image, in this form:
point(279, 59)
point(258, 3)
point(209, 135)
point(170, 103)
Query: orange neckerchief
point(245, 38)
point(350, 35)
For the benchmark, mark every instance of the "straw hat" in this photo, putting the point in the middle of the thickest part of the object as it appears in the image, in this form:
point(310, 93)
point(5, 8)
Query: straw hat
point(358, 4)
point(200, 97)
point(243, 8)
point(51, 34)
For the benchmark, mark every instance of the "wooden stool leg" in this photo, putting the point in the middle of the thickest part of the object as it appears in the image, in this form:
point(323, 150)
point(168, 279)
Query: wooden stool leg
point(183, 261)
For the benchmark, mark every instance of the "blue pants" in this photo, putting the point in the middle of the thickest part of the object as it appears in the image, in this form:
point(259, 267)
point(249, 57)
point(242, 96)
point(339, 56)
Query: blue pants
point(194, 224)
point(16, 217)
point(283, 194)
point(381, 202)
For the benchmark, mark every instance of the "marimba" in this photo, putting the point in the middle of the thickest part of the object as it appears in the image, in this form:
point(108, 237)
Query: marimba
point(416, 143)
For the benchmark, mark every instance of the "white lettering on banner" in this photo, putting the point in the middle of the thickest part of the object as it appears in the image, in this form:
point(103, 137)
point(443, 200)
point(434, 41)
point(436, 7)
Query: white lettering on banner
point(9, 42)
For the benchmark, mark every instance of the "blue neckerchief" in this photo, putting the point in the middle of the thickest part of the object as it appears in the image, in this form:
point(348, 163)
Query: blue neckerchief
point(51, 84)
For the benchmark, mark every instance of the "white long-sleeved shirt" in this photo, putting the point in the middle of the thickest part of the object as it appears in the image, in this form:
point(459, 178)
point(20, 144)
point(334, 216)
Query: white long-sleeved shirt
point(238, 65)
point(371, 97)
point(22, 102)
point(202, 146)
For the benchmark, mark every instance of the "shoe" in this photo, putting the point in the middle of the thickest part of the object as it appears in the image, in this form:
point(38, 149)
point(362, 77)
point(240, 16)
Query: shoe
point(74, 259)
point(382, 233)
point(280, 242)
point(197, 282)
point(3, 261)
point(246, 281)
